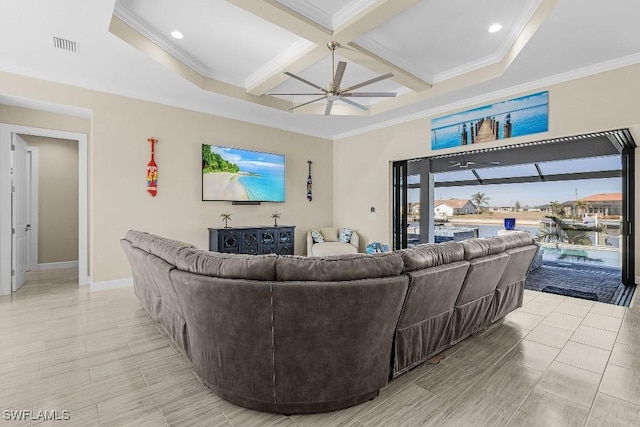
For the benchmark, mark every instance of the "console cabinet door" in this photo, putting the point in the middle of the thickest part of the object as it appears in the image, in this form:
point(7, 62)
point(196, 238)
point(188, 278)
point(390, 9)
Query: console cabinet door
point(229, 242)
point(268, 241)
point(285, 241)
point(249, 242)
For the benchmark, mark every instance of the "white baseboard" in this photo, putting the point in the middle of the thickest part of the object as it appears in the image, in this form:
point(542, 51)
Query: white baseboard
point(57, 265)
point(111, 284)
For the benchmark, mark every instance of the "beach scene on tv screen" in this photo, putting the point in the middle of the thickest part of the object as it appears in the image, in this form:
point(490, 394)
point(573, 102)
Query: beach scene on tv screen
point(236, 174)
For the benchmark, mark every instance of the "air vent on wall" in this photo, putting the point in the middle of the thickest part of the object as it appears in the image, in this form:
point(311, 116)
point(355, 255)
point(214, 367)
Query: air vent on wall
point(64, 44)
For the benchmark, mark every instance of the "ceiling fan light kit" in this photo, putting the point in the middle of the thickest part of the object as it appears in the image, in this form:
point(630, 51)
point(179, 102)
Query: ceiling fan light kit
point(333, 92)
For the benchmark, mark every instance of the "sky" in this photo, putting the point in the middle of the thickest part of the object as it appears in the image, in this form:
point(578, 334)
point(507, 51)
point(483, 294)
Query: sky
point(251, 161)
point(531, 194)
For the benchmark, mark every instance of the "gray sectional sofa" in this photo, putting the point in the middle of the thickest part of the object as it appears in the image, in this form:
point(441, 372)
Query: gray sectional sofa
point(290, 334)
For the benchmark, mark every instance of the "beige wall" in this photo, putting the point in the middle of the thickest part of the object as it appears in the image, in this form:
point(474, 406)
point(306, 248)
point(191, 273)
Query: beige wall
point(119, 152)
point(350, 175)
point(57, 198)
point(362, 162)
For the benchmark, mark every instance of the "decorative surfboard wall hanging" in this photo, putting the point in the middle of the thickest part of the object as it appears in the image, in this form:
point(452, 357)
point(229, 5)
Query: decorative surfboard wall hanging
point(152, 170)
point(309, 184)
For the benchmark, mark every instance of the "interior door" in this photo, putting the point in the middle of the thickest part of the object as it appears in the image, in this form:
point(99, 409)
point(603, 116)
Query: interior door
point(19, 211)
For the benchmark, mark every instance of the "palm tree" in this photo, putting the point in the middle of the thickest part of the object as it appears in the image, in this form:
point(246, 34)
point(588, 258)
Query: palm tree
point(556, 208)
point(275, 217)
point(582, 207)
point(480, 200)
point(226, 217)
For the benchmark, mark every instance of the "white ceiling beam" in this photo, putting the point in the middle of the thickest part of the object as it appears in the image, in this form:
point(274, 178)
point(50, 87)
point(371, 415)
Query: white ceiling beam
point(122, 30)
point(361, 23)
point(476, 76)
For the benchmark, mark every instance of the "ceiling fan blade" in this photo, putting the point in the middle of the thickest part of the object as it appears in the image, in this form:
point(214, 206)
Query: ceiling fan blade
point(305, 81)
point(368, 82)
point(370, 94)
point(327, 110)
point(355, 104)
point(296, 94)
point(339, 73)
point(306, 103)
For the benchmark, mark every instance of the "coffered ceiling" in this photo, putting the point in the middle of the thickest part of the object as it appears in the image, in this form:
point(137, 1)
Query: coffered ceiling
point(234, 52)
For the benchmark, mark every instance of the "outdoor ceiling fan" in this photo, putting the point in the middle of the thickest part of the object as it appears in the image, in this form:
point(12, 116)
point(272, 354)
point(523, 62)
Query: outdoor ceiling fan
point(463, 164)
point(334, 92)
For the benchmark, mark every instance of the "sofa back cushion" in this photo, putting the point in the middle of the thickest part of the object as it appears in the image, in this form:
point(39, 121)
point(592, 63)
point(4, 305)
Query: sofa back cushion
point(516, 239)
point(476, 248)
point(164, 248)
point(338, 268)
point(431, 255)
point(228, 266)
point(330, 234)
point(140, 239)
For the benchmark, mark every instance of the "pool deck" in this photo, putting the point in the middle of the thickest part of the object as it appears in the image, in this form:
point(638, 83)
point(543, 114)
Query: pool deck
point(604, 282)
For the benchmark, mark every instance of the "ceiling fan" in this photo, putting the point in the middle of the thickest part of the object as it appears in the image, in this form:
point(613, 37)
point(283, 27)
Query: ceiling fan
point(334, 92)
point(463, 164)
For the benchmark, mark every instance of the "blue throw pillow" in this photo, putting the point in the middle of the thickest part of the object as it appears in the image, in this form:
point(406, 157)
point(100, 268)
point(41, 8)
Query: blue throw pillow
point(317, 236)
point(345, 235)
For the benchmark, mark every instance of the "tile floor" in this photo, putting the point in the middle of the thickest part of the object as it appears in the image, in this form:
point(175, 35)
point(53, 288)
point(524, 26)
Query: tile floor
point(557, 361)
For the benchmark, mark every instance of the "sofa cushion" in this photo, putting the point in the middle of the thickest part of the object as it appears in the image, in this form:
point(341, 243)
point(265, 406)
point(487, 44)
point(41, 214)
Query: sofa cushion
point(160, 246)
point(330, 234)
point(140, 239)
point(475, 248)
point(516, 239)
point(431, 255)
point(317, 236)
point(167, 249)
point(228, 266)
point(345, 235)
point(338, 268)
point(332, 248)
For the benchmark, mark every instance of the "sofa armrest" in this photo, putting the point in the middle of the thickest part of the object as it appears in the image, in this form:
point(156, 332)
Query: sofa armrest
point(309, 243)
point(355, 241)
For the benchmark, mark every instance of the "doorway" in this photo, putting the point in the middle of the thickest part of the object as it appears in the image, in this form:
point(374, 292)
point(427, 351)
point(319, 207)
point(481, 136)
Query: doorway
point(8, 259)
point(577, 162)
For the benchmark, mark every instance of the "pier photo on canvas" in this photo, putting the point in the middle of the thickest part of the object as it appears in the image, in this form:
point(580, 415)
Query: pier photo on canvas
point(514, 117)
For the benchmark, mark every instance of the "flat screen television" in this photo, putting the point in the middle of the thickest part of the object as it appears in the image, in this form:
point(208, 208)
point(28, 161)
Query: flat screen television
point(234, 174)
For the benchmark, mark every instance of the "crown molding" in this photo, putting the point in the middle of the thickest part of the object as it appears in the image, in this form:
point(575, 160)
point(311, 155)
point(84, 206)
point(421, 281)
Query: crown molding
point(523, 19)
point(141, 27)
point(69, 110)
point(467, 68)
point(354, 8)
point(389, 55)
point(323, 18)
point(491, 96)
point(283, 59)
point(310, 11)
point(503, 49)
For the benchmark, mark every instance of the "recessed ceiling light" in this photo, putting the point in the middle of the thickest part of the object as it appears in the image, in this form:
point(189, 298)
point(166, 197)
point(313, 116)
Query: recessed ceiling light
point(178, 35)
point(495, 28)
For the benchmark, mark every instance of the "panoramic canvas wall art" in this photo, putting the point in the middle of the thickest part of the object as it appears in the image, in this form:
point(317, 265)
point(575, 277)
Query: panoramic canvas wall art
point(515, 117)
point(242, 175)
